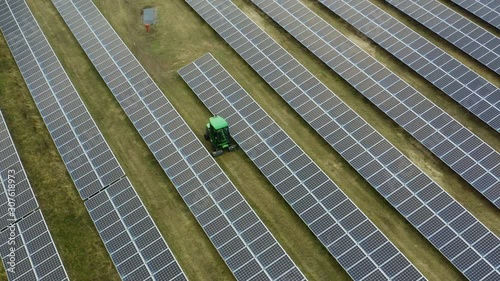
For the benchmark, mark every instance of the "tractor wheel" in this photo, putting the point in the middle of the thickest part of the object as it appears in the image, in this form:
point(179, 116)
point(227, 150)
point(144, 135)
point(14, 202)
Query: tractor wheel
point(207, 137)
point(233, 147)
point(217, 153)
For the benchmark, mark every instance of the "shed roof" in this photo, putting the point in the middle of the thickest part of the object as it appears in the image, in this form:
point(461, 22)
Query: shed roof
point(149, 16)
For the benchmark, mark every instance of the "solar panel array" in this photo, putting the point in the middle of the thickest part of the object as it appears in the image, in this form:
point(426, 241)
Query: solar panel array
point(23, 229)
point(130, 235)
point(36, 256)
point(358, 245)
point(468, 244)
point(487, 10)
point(85, 153)
point(446, 73)
point(454, 28)
point(87, 156)
point(25, 201)
point(477, 163)
point(242, 239)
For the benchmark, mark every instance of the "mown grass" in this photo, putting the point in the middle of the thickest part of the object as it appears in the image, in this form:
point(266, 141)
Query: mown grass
point(181, 36)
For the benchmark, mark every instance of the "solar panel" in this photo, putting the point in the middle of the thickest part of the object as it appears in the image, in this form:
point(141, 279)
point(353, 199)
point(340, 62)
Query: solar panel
point(468, 244)
point(16, 189)
point(334, 219)
point(26, 246)
point(487, 10)
point(454, 28)
point(83, 149)
point(239, 235)
point(446, 73)
point(429, 124)
point(35, 254)
point(85, 153)
point(132, 239)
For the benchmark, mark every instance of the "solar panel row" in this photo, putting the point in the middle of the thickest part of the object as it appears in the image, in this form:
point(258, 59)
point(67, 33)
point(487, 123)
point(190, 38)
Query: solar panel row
point(83, 149)
point(445, 72)
point(12, 170)
point(478, 164)
point(242, 239)
point(468, 244)
point(131, 237)
point(487, 10)
point(85, 153)
point(35, 255)
point(26, 246)
point(357, 244)
point(455, 28)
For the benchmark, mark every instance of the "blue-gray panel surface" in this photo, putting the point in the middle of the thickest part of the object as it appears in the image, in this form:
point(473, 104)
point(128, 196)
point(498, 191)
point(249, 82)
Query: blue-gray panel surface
point(23, 223)
point(419, 199)
point(454, 28)
point(35, 254)
point(132, 239)
point(429, 124)
point(16, 191)
point(334, 219)
point(487, 10)
point(470, 90)
point(225, 216)
point(87, 156)
point(84, 151)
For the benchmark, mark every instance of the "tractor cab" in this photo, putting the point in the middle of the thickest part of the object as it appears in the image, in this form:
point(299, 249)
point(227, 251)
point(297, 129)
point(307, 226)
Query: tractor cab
point(217, 131)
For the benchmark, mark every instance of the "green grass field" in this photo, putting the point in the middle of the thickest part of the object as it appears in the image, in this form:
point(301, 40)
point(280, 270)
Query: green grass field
point(179, 37)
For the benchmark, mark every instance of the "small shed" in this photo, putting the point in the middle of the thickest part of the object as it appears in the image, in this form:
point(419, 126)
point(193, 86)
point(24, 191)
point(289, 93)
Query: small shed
point(148, 17)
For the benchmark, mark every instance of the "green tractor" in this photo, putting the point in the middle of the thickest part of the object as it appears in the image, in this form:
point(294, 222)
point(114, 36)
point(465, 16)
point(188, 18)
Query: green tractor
point(217, 132)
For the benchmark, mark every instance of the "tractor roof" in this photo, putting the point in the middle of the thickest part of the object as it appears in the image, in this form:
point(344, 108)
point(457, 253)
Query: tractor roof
point(218, 122)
